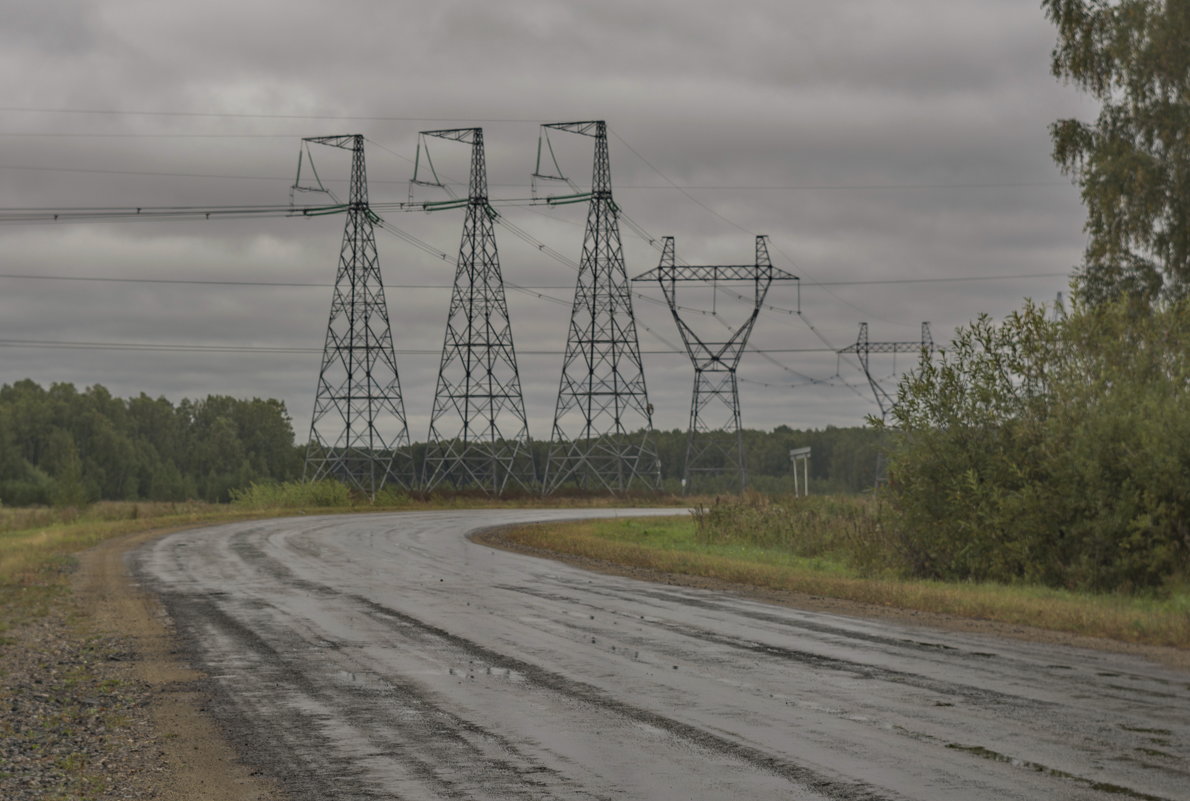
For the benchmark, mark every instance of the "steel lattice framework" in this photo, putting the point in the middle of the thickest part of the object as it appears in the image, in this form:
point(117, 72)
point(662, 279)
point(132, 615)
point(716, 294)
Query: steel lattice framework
point(603, 423)
point(358, 432)
point(479, 436)
point(863, 348)
point(714, 440)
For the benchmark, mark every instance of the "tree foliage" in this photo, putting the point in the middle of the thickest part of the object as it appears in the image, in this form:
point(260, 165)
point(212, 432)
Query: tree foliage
point(66, 447)
point(843, 459)
point(1054, 451)
point(1133, 163)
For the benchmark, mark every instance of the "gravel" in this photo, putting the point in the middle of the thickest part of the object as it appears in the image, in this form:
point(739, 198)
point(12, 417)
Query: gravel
point(74, 720)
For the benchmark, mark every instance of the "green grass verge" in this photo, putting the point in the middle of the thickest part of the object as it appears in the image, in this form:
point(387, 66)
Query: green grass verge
point(673, 545)
point(37, 545)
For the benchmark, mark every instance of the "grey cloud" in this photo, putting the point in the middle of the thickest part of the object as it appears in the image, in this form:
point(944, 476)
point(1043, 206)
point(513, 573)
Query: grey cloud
point(892, 97)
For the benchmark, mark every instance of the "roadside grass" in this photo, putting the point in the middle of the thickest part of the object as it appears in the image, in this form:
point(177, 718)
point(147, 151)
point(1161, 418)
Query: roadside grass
point(36, 546)
point(676, 545)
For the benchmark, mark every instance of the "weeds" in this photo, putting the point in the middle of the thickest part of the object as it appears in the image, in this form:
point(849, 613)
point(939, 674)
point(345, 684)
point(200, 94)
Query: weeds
point(325, 494)
point(848, 529)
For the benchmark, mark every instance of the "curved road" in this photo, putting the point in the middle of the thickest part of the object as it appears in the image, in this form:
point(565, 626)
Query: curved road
point(386, 656)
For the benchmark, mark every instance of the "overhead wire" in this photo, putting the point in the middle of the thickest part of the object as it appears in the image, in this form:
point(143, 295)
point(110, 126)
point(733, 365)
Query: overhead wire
point(127, 214)
point(183, 347)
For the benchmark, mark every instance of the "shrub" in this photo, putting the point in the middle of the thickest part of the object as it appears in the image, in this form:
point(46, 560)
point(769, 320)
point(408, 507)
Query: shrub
point(293, 495)
point(844, 528)
point(1049, 450)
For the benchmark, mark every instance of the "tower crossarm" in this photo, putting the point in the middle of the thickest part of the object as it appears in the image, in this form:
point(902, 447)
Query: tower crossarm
point(344, 141)
point(886, 347)
point(595, 128)
point(465, 135)
point(712, 273)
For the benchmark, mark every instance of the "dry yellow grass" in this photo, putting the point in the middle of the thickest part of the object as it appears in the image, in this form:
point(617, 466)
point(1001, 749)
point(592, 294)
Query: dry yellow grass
point(1124, 618)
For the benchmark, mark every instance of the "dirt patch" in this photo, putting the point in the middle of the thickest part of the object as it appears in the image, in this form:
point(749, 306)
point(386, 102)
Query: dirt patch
point(191, 758)
point(1170, 657)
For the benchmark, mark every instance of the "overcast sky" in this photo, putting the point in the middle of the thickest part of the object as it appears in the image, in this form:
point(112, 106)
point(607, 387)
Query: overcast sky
point(896, 153)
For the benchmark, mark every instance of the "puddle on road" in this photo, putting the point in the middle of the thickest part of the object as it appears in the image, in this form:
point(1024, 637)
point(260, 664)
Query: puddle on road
point(473, 671)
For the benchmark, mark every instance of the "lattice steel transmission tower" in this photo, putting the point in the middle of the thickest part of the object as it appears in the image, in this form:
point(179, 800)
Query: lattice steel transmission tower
point(479, 436)
point(714, 440)
point(863, 348)
point(358, 432)
point(603, 422)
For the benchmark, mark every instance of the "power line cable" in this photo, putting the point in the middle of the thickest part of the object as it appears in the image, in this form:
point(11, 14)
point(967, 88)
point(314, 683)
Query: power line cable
point(256, 115)
point(183, 347)
point(619, 188)
point(217, 282)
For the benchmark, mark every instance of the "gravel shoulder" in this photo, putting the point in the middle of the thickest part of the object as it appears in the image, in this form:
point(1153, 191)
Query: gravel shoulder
point(97, 703)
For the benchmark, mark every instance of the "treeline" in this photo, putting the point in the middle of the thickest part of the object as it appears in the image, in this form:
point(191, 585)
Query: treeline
point(63, 446)
point(842, 459)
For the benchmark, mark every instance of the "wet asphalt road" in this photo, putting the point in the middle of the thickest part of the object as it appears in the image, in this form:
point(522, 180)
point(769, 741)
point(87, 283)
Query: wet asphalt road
point(385, 656)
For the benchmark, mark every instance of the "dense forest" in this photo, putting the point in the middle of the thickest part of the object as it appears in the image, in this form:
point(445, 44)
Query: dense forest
point(63, 446)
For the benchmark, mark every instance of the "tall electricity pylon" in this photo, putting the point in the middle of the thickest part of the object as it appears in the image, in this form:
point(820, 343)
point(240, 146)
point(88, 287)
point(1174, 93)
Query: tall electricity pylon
point(603, 422)
point(479, 436)
point(358, 433)
point(863, 348)
point(714, 440)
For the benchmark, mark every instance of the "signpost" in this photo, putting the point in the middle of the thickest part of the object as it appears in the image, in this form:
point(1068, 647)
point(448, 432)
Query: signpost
point(801, 455)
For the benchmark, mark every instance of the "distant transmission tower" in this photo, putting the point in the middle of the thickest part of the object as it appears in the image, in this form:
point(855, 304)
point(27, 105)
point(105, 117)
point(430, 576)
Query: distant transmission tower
point(479, 436)
point(864, 348)
point(358, 433)
point(603, 422)
point(714, 441)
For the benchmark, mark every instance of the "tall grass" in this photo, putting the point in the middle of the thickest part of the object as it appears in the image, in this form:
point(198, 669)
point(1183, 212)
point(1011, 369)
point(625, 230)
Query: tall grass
point(848, 529)
point(294, 495)
point(26, 518)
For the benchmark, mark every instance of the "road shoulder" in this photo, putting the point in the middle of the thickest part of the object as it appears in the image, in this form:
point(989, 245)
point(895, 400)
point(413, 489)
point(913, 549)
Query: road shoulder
point(194, 759)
